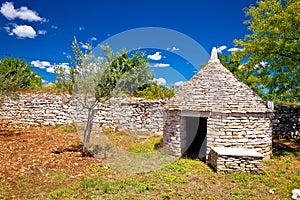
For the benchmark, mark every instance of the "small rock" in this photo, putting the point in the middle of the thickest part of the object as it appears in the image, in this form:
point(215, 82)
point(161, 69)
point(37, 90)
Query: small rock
point(76, 164)
point(296, 194)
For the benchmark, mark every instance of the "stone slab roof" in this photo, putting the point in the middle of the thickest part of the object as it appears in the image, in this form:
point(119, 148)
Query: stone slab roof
point(216, 89)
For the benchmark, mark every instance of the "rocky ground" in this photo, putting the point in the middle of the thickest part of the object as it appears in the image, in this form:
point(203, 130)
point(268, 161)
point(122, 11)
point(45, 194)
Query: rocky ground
point(36, 151)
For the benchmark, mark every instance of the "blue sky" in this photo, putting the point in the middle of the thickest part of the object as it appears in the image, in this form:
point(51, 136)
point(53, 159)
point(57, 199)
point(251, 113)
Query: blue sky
point(41, 32)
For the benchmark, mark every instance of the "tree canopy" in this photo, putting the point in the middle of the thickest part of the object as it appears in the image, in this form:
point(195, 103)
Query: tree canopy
point(272, 49)
point(15, 75)
point(113, 73)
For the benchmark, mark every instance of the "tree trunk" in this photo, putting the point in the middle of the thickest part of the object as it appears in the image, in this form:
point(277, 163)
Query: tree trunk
point(88, 131)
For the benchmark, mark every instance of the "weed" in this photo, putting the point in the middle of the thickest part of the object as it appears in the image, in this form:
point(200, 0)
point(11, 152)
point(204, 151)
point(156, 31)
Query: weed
point(145, 187)
point(241, 178)
point(2, 185)
point(170, 178)
point(167, 195)
point(90, 183)
point(57, 194)
point(210, 197)
point(181, 180)
point(236, 192)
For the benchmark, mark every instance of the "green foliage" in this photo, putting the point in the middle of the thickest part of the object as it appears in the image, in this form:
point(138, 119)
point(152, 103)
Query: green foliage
point(16, 75)
point(252, 79)
point(273, 47)
point(284, 99)
point(155, 91)
point(126, 73)
point(117, 74)
point(66, 76)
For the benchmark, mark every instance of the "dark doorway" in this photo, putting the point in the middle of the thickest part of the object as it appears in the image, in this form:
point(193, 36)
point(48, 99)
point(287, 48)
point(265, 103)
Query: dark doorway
point(196, 131)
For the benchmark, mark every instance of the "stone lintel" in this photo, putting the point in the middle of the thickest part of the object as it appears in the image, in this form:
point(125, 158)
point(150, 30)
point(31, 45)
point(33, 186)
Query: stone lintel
point(191, 113)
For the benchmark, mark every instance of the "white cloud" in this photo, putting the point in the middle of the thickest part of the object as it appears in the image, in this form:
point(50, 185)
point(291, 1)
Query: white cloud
point(160, 81)
point(234, 49)
point(93, 38)
point(175, 49)
point(54, 27)
point(46, 82)
point(8, 10)
point(161, 65)
point(65, 67)
point(221, 48)
point(156, 56)
point(84, 46)
point(178, 83)
point(40, 64)
point(42, 32)
point(7, 29)
point(80, 28)
point(50, 70)
point(23, 31)
point(172, 49)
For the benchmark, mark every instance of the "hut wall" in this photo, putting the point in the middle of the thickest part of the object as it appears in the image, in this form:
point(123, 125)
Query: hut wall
point(251, 131)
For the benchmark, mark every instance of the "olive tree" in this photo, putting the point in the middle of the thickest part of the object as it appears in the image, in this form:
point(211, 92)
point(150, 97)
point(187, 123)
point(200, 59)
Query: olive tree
point(94, 80)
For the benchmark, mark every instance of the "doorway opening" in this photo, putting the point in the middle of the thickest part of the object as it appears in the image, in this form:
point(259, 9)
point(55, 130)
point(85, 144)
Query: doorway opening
point(196, 137)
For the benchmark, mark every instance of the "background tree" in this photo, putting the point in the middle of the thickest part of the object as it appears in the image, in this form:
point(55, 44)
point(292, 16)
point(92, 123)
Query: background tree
point(16, 75)
point(93, 80)
point(272, 50)
point(154, 91)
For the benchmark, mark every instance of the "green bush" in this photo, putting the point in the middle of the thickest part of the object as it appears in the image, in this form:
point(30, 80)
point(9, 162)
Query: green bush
point(17, 73)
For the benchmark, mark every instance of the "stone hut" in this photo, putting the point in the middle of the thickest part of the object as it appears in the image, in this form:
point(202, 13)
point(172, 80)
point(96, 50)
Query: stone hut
point(215, 110)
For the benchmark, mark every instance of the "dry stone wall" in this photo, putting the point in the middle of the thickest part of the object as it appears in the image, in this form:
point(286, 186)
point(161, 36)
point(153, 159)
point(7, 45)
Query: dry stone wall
point(129, 114)
point(38, 109)
point(286, 122)
point(147, 115)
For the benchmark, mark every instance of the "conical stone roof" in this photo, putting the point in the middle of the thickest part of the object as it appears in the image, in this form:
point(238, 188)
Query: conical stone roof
point(216, 89)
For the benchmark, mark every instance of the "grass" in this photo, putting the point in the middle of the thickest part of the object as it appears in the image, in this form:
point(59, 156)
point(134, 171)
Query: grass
point(189, 179)
point(134, 144)
point(183, 179)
